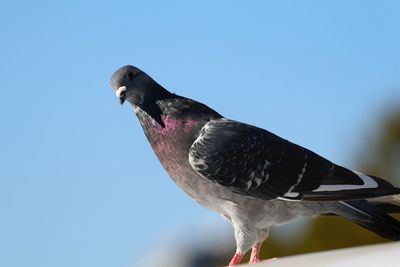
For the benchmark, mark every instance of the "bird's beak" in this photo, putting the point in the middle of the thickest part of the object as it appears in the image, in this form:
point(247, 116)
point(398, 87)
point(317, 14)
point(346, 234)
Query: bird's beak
point(120, 93)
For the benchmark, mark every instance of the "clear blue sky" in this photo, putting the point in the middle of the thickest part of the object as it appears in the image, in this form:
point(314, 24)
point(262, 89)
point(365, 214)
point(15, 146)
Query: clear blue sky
point(79, 184)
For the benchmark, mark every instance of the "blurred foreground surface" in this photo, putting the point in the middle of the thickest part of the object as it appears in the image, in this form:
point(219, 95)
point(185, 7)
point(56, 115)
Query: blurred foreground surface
point(375, 255)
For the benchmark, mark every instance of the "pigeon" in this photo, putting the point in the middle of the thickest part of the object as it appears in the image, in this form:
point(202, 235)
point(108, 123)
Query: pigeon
point(252, 177)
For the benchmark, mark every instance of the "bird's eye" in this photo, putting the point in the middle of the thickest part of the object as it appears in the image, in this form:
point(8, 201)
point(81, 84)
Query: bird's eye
point(131, 75)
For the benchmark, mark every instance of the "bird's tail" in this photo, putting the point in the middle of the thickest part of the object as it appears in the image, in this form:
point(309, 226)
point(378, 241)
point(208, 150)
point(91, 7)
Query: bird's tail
point(387, 204)
point(371, 217)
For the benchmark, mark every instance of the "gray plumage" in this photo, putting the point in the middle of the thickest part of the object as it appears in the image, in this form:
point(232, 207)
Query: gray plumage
point(250, 176)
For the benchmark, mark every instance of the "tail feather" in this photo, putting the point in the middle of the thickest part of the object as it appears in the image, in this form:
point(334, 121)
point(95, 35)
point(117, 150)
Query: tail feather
point(387, 204)
point(386, 207)
point(369, 216)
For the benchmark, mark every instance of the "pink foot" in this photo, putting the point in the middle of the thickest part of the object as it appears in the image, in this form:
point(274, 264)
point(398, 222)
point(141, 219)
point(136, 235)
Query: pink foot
point(255, 253)
point(237, 258)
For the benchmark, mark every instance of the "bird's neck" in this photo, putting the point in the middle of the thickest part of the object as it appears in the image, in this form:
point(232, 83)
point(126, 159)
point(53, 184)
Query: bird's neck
point(181, 121)
point(164, 122)
point(175, 134)
point(162, 107)
point(146, 99)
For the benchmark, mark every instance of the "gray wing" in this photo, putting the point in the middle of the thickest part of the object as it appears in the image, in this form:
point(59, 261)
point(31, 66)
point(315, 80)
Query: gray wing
point(254, 162)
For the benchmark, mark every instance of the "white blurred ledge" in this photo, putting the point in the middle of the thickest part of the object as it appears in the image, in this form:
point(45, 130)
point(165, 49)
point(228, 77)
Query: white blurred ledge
point(383, 255)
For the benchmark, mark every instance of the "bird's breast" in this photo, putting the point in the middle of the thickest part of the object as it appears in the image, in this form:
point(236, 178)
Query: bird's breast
point(171, 145)
point(172, 142)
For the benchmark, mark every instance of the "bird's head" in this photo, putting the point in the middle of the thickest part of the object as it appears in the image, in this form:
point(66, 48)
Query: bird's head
point(132, 84)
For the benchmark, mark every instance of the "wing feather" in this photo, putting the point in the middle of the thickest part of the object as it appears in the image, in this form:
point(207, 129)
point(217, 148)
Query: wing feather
point(254, 162)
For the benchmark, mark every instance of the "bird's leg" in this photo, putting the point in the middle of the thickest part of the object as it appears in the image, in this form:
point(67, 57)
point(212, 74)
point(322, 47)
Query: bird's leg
point(255, 253)
point(245, 237)
point(237, 258)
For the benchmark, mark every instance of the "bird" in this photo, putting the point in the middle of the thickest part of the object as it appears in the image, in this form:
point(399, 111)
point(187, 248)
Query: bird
point(252, 177)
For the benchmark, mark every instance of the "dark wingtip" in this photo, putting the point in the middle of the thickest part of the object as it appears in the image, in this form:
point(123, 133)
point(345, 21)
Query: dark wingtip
point(372, 218)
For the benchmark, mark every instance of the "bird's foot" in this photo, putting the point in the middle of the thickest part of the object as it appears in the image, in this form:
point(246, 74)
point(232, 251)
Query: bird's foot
point(255, 259)
point(237, 258)
point(255, 253)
